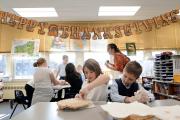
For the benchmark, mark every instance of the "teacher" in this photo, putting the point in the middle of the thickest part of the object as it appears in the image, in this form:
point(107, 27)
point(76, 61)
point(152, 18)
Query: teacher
point(119, 59)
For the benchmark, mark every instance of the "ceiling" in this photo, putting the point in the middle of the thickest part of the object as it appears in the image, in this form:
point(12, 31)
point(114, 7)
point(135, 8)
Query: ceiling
point(87, 10)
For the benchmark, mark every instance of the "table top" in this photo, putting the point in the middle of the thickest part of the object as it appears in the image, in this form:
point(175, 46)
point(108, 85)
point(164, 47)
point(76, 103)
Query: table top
point(59, 87)
point(166, 102)
point(49, 111)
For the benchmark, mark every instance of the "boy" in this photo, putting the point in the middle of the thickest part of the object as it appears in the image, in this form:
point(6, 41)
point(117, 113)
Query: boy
point(126, 89)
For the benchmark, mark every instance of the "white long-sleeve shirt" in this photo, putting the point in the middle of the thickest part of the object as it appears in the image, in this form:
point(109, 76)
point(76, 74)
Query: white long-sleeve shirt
point(116, 97)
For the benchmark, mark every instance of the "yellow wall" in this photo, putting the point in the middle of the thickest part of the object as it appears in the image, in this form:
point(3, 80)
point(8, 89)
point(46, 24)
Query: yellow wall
point(165, 37)
point(8, 34)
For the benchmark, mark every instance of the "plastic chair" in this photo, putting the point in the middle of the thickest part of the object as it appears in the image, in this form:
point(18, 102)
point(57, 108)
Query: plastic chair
point(19, 99)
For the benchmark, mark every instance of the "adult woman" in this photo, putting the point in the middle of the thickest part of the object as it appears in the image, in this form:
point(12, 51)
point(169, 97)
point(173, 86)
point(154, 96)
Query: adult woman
point(119, 59)
point(43, 80)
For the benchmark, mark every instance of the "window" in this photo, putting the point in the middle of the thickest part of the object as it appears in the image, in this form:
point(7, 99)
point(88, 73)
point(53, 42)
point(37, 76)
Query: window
point(3, 65)
point(56, 58)
point(23, 66)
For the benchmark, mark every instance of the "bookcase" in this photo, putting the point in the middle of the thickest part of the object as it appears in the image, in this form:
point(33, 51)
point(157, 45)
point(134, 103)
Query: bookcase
point(164, 85)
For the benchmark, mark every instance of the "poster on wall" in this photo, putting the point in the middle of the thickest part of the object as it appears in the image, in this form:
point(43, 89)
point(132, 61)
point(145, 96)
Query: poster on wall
point(26, 46)
point(80, 45)
point(59, 44)
point(131, 49)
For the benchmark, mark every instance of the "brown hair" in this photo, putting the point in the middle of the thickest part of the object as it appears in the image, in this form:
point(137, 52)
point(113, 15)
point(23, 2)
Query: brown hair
point(93, 65)
point(134, 68)
point(39, 62)
point(114, 46)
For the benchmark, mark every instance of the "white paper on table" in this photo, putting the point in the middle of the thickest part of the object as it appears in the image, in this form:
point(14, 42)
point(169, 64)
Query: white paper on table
point(167, 112)
point(122, 110)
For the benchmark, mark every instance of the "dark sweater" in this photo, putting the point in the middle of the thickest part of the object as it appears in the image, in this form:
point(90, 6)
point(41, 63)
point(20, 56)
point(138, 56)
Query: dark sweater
point(126, 91)
point(75, 81)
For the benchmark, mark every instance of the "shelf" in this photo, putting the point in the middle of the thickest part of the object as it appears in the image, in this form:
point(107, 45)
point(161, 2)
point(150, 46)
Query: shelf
point(168, 82)
point(159, 60)
point(169, 96)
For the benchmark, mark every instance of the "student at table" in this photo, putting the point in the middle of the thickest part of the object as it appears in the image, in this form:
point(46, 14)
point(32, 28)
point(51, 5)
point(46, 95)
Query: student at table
point(126, 89)
point(74, 79)
point(43, 80)
point(93, 73)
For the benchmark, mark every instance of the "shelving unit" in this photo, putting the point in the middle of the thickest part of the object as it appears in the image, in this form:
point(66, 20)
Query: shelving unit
point(166, 89)
point(164, 85)
point(163, 66)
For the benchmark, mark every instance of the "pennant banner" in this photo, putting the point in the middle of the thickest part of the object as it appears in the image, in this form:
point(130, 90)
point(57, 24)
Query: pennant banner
point(73, 31)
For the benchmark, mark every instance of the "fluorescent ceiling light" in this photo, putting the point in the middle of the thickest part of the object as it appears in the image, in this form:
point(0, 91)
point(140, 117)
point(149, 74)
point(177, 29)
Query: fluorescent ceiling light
point(36, 12)
point(118, 10)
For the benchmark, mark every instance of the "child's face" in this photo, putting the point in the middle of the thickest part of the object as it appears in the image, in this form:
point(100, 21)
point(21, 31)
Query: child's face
point(128, 78)
point(90, 75)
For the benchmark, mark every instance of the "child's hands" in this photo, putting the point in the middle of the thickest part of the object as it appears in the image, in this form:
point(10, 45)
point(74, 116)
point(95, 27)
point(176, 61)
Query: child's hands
point(129, 99)
point(83, 92)
point(141, 96)
point(78, 96)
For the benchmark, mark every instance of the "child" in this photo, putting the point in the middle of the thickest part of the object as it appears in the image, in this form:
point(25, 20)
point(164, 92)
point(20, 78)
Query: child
point(74, 79)
point(126, 89)
point(94, 87)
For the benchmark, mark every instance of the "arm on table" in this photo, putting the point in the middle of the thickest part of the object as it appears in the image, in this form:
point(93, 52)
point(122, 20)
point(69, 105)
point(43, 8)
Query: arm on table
point(54, 80)
point(100, 80)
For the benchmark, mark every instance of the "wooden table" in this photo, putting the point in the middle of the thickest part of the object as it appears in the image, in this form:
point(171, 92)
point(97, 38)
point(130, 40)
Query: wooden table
point(48, 111)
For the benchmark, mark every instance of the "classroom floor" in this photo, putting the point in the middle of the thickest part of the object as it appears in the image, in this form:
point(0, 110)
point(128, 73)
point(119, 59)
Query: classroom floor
point(5, 110)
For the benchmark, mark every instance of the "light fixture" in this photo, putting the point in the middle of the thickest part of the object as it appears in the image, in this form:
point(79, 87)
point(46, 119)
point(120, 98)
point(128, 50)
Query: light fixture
point(36, 12)
point(118, 10)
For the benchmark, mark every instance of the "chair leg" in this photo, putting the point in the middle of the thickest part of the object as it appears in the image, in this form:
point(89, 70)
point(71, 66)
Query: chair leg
point(13, 111)
point(11, 103)
point(24, 106)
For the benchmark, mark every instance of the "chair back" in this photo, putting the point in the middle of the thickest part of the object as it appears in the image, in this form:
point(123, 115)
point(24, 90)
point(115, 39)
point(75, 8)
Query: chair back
point(19, 97)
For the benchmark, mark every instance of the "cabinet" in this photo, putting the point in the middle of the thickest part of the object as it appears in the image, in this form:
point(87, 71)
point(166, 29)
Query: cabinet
point(166, 89)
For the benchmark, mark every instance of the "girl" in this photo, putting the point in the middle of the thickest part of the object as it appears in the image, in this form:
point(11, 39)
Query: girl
point(95, 86)
point(43, 79)
point(74, 79)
